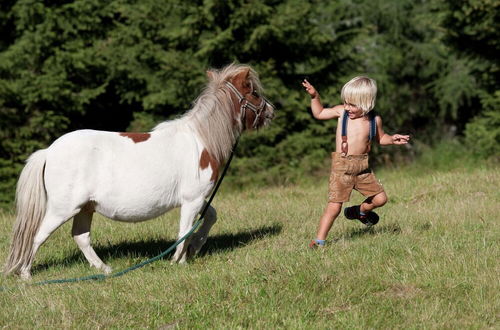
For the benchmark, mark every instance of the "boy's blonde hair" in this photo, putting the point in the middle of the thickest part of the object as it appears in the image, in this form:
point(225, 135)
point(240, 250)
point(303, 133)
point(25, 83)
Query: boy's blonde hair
point(360, 91)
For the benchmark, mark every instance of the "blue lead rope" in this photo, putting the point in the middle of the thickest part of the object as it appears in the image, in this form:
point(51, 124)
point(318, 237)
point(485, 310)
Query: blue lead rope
point(102, 277)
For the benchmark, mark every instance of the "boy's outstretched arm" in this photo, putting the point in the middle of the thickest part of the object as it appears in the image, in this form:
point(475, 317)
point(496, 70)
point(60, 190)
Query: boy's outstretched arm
point(318, 111)
point(386, 139)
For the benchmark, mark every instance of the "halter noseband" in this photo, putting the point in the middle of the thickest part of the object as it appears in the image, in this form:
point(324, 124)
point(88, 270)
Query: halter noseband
point(258, 110)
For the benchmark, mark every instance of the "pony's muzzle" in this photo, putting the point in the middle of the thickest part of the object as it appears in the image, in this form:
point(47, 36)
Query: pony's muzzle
point(269, 113)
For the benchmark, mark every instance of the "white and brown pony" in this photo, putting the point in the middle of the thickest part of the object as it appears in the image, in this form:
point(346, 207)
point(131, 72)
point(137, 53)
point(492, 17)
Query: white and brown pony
point(134, 177)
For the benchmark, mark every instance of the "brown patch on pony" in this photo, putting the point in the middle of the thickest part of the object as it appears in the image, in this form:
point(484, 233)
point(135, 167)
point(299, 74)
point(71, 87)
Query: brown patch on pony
point(137, 137)
point(205, 160)
point(249, 118)
point(240, 81)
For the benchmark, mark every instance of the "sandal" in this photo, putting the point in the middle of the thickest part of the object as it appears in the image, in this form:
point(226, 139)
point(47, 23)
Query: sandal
point(353, 213)
point(315, 245)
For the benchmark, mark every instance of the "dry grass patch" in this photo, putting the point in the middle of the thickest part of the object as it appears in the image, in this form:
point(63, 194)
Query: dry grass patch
point(400, 291)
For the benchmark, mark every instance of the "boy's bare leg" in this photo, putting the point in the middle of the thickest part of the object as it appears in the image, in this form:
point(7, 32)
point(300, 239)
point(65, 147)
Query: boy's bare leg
point(373, 202)
point(331, 212)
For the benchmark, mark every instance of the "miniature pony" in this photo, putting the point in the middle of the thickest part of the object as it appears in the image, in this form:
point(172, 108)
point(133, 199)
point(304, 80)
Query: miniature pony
point(134, 177)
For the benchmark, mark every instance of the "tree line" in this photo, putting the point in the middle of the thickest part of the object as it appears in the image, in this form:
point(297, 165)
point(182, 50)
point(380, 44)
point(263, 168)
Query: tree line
point(125, 65)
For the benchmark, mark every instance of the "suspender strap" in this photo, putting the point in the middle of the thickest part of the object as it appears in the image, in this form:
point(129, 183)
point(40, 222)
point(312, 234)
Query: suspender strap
point(344, 123)
point(371, 136)
point(373, 126)
point(344, 145)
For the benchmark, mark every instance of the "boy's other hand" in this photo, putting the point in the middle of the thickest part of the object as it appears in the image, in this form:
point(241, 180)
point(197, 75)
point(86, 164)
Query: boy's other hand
point(400, 139)
point(309, 88)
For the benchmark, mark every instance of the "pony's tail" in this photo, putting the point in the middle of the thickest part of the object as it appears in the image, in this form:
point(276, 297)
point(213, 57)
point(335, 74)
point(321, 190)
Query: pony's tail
point(31, 201)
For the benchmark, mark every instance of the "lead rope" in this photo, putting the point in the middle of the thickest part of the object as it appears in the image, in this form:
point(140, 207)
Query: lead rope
point(102, 277)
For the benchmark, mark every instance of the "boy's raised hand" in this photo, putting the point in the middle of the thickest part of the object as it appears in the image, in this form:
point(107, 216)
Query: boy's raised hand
point(400, 139)
point(309, 88)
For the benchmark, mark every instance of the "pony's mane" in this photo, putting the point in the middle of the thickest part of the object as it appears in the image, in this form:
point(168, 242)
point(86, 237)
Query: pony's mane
point(212, 116)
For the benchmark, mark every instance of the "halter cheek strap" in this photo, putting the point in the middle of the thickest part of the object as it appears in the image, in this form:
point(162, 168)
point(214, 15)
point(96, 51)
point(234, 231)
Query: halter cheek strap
point(373, 132)
point(247, 105)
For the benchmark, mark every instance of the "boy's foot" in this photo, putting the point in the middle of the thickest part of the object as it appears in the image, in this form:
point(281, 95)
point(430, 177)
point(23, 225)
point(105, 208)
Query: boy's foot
point(353, 212)
point(315, 245)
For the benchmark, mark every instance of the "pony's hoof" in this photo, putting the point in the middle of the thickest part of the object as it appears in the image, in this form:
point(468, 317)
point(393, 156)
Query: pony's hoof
point(191, 251)
point(106, 269)
point(26, 276)
point(195, 246)
point(175, 259)
point(178, 260)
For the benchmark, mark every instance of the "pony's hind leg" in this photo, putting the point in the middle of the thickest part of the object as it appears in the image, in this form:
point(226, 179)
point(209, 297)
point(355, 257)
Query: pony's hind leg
point(49, 224)
point(200, 237)
point(81, 234)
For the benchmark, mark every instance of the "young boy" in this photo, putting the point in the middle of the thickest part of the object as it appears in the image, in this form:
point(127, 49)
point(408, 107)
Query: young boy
point(356, 127)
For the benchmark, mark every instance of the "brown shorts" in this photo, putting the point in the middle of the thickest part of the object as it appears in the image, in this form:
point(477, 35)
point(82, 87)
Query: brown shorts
point(351, 172)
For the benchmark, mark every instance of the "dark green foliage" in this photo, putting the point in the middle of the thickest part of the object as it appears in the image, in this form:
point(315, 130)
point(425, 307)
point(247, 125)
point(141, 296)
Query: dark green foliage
point(474, 27)
point(474, 30)
point(483, 132)
point(127, 65)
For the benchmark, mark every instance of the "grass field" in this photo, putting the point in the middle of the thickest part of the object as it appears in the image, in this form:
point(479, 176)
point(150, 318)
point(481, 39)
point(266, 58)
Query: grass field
point(431, 262)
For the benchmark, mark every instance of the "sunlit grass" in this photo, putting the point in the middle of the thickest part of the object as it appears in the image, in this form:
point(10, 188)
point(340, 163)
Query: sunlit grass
point(431, 262)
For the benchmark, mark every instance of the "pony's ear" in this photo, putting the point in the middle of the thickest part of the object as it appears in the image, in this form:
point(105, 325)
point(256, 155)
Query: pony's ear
point(210, 75)
point(241, 77)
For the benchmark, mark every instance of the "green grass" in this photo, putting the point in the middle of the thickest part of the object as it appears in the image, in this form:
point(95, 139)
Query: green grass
point(431, 262)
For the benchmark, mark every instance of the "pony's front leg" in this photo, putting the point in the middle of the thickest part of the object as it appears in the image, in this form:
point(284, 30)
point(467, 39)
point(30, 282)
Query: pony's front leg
point(188, 212)
point(200, 237)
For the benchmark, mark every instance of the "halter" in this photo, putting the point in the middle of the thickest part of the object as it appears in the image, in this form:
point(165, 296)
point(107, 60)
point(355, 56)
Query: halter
point(244, 104)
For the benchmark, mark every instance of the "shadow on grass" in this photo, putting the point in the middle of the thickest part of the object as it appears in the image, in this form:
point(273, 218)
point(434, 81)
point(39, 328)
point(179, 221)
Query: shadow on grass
point(222, 243)
point(392, 228)
point(151, 248)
